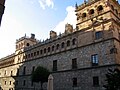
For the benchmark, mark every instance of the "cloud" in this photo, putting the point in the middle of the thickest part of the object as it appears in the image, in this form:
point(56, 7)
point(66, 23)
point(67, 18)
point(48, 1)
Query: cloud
point(9, 30)
point(32, 2)
point(70, 18)
point(46, 3)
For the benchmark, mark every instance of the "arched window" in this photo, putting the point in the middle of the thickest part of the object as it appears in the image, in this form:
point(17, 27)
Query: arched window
point(62, 45)
point(21, 44)
point(48, 49)
point(34, 53)
point(28, 44)
point(113, 50)
point(52, 48)
point(31, 54)
point(28, 55)
point(57, 47)
point(37, 52)
point(44, 50)
point(41, 51)
point(112, 7)
point(74, 41)
point(84, 15)
point(100, 8)
point(91, 11)
point(68, 43)
point(116, 11)
point(16, 46)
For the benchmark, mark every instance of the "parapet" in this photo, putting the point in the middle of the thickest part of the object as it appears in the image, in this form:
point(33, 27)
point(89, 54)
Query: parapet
point(26, 37)
point(86, 2)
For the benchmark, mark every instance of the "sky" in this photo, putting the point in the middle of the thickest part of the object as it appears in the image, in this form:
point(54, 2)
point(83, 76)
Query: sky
point(34, 16)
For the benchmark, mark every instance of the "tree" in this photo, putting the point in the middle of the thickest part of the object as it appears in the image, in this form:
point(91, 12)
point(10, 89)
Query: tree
point(113, 80)
point(40, 75)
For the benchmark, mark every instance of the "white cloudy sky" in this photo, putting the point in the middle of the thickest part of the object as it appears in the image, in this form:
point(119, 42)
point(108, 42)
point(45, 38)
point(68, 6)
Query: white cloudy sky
point(34, 16)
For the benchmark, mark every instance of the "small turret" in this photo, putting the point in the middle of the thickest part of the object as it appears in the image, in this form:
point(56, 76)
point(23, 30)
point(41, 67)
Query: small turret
point(85, 1)
point(76, 6)
point(32, 36)
point(25, 42)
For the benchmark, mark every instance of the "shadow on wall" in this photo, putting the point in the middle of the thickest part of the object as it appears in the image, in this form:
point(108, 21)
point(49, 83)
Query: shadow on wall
point(23, 79)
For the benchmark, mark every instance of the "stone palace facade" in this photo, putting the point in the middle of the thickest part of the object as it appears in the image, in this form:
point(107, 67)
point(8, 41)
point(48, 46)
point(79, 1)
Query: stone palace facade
point(78, 58)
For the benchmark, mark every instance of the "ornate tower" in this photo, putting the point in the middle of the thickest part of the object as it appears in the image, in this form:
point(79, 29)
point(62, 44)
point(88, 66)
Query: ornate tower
point(21, 44)
point(2, 8)
point(102, 19)
point(93, 12)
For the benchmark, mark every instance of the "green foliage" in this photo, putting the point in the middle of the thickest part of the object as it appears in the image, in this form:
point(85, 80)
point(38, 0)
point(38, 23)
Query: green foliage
point(113, 80)
point(40, 75)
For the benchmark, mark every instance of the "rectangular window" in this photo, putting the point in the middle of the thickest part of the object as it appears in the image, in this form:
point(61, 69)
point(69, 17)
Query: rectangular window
point(98, 35)
point(18, 72)
point(74, 63)
point(33, 69)
point(94, 59)
point(96, 81)
point(24, 70)
point(41, 51)
point(11, 73)
point(26, 56)
point(31, 83)
point(119, 36)
point(5, 72)
point(55, 65)
point(10, 82)
point(74, 82)
point(16, 83)
point(24, 82)
point(5, 82)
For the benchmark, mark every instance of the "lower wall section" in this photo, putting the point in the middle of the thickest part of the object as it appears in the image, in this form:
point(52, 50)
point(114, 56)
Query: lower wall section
point(86, 79)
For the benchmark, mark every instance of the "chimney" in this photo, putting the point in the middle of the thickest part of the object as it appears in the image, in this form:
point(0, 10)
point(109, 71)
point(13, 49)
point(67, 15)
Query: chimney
point(32, 36)
point(68, 28)
point(53, 34)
